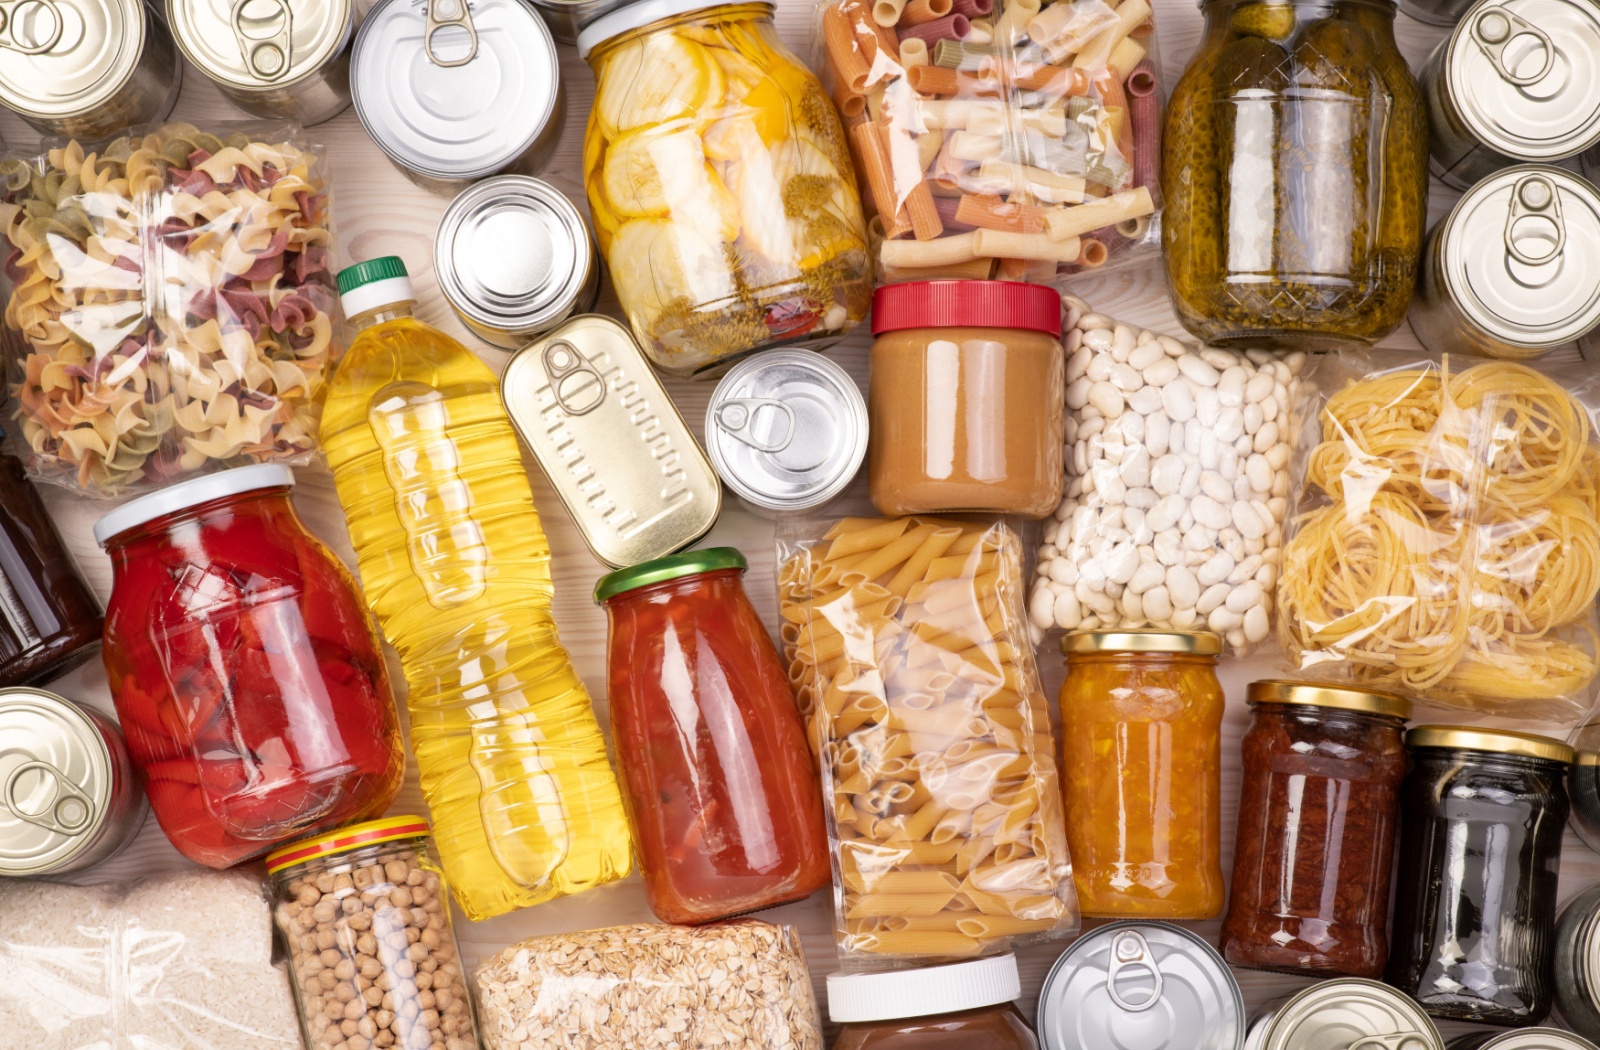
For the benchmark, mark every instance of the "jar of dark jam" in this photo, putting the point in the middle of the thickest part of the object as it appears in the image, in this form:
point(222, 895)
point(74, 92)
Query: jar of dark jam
point(1481, 816)
point(1318, 812)
point(968, 1005)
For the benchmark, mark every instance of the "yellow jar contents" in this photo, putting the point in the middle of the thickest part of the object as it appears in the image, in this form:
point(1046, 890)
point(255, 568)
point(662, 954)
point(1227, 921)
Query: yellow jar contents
point(1142, 755)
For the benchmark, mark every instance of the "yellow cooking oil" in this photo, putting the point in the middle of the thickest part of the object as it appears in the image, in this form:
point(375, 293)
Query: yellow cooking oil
point(456, 568)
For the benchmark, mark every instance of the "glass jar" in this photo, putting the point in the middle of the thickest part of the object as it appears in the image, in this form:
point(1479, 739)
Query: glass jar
point(245, 670)
point(720, 185)
point(1583, 785)
point(1481, 816)
point(1318, 812)
point(1295, 174)
point(365, 914)
point(721, 790)
point(1141, 751)
point(966, 399)
point(968, 1004)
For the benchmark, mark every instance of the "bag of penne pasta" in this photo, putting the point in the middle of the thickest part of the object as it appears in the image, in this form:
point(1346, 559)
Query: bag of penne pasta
point(1015, 139)
point(909, 655)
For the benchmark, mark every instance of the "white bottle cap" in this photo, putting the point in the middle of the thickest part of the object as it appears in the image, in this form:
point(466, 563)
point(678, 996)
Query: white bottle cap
point(856, 997)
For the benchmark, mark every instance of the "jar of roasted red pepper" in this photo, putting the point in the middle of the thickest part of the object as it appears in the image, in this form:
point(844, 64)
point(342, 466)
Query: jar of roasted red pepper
point(721, 789)
point(1318, 812)
point(247, 675)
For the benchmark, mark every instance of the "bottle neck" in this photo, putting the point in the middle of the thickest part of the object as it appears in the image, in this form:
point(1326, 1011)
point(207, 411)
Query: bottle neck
point(380, 314)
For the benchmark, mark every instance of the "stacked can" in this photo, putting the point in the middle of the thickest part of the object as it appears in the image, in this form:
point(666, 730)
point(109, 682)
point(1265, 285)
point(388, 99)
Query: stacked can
point(273, 59)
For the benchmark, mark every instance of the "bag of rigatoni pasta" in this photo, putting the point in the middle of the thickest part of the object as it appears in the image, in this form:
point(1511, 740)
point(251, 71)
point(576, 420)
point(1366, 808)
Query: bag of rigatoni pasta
point(909, 654)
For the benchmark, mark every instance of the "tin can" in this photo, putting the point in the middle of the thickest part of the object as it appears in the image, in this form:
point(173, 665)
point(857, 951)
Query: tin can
point(611, 441)
point(87, 68)
point(271, 57)
point(453, 92)
point(1577, 957)
point(1526, 1039)
point(787, 430)
point(514, 259)
point(1517, 81)
point(1514, 270)
point(1140, 986)
point(566, 17)
point(1345, 1014)
point(69, 796)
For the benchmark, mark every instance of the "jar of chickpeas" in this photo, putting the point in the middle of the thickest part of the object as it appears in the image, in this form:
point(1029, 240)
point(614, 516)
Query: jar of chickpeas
point(364, 911)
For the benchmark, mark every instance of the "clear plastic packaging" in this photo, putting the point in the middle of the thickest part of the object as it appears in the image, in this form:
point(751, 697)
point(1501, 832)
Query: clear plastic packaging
point(909, 655)
point(168, 304)
point(998, 139)
point(1446, 536)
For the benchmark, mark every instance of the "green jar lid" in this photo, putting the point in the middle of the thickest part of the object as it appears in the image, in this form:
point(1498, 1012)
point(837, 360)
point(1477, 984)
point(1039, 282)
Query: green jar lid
point(673, 566)
point(383, 268)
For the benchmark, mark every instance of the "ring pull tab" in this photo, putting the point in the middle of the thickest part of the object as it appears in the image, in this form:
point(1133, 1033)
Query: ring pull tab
point(1402, 1041)
point(9, 18)
point(69, 810)
point(441, 15)
point(737, 416)
point(1494, 30)
point(574, 383)
point(1534, 199)
point(268, 57)
point(1130, 951)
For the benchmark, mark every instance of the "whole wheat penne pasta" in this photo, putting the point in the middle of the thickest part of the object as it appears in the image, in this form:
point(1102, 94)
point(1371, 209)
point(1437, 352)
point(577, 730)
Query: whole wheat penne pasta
point(846, 60)
point(920, 12)
point(1043, 247)
point(958, 248)
point(1012, 25)
point(1068, 223)
point(1097, 52)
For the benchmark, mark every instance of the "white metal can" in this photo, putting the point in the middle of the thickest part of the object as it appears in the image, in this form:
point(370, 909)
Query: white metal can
point(273, 58)
point(1523, 1039)
point(1349, 1013)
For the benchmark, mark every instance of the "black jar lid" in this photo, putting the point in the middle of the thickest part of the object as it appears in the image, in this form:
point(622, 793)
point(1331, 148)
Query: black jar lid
point(1501, 741)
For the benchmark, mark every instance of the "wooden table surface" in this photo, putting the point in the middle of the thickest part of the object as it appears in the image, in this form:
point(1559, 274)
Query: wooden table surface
point(377, 211)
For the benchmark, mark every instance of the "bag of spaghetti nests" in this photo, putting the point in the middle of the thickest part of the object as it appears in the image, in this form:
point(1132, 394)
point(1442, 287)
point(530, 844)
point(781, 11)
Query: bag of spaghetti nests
point(1446, 537)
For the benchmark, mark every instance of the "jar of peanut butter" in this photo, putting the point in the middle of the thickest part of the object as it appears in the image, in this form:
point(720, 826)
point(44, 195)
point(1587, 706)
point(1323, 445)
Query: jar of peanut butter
point(966, 398)
point(967, 1004)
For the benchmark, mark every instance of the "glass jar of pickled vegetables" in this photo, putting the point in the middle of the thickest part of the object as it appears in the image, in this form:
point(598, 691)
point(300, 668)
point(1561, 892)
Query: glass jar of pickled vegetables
point(1295, 175)
point(1141, 732)
point(245, 670)
point(720, 184)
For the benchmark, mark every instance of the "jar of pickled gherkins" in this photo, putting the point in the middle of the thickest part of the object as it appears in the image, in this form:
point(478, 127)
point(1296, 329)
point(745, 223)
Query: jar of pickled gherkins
point(720, 185)
point(1295, 176)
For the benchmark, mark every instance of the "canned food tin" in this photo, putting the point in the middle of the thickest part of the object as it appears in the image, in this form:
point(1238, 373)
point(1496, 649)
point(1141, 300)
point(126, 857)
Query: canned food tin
point(514, 259)
point(787, 430)
point(69, 797)
point(1517, 81)
point(1140, 986)
point(86, 68)
point(617, 452)
point(1514, 269)
point(566, 17)
point(271, 57)
point(453, 92)
point(1345, 1014)
point(1525, 1039)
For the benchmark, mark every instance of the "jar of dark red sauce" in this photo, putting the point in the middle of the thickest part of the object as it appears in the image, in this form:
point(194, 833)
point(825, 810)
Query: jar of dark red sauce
point(969, 1005)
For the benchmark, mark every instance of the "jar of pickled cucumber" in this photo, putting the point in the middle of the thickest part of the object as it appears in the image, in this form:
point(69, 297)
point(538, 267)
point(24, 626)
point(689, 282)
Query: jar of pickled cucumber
point(720, 185)
point(1295, 176)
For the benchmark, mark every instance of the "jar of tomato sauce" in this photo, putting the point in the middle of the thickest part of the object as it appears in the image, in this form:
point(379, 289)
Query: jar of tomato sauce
point(720, 786)
point(247, 675)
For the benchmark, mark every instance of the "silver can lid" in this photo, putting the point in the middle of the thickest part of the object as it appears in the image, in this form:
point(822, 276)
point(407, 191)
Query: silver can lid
point(55, 781)
point(1521, 256)
point(1140, 986)
point(1527, 1039)
point(787, 429)
point(259, 43)
point(451, 90)
point(1525, 76)
point(61, 58)
point(512, 252)
point(1345, 1013)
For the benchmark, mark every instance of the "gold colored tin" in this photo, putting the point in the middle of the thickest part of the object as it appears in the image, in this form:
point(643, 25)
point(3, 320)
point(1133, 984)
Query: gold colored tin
point(596, 417)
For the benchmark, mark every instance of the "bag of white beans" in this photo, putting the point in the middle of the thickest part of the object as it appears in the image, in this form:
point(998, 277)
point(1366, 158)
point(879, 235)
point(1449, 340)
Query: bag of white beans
point(1177, 483)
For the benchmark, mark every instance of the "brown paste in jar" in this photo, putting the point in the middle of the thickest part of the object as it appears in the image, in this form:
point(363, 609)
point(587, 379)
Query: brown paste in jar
point(998, 1027)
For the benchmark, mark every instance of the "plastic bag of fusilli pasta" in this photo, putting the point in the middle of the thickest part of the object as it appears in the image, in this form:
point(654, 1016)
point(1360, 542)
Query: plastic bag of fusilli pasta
point(169, 303)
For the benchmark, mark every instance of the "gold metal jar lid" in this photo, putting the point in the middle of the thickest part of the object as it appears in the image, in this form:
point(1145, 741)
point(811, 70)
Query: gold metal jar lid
point(1313, 694)
point(1193, 643)
point(1502, 741)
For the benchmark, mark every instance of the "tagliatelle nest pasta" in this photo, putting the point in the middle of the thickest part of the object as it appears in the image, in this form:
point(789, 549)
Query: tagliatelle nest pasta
point(170, 306)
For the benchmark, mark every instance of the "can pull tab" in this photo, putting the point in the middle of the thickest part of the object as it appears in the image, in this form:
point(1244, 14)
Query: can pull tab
point(577, 387)
point(444, 14)
point(1402, 1041)
point(737, 415)
point(1496, 28)
point(1130, 951)
point(12, 32)
point(1535, 216)
point(68, 811)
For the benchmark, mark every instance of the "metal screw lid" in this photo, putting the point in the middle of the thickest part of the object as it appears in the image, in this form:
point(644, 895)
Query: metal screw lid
point(1498, 741)
point(672, 567)
point(1315, 694)
point(62, 58)
point(1195, 643)
point(256, 43)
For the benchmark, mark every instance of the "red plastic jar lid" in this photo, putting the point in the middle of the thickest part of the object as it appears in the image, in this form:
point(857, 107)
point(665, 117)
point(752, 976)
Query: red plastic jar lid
point(966, 304)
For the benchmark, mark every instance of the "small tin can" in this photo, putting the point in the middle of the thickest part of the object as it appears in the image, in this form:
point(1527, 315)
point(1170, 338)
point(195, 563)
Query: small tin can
point(1501, 90)
point(787, 430)
point(613, 445)
point(1346, 1014)
point(69, 796)
point(1513, 270)
point(454, 92)
point(1577, 957)
point(1140, 986)
point(566, 17)
point(514, 259)
point(273, 58)
point(1525, 1039)
point(86, 68)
